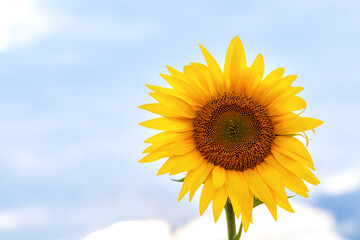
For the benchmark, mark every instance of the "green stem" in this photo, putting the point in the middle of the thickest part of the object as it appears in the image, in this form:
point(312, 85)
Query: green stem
point(237, 237)
point(230, 220)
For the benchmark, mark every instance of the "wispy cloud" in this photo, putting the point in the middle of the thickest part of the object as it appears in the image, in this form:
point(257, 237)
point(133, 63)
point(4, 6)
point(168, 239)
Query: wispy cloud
point(21, 23)
point(307, 223)
point(150, 229)
point(342, 182)
point(22, 218)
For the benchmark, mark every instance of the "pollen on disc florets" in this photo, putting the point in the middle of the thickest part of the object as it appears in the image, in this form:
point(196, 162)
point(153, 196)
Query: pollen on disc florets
point(233, 131)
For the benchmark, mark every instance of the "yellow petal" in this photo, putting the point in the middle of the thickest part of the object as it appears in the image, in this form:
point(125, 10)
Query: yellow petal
point(283, 203)
point(181, 163)
point(200, 180)
point(205, 77)
point(257, 73)
point(235, 61)
point(248, 197)
point(294, 90)
point(272, 210)
point(218, 176)
point(294, 156)
point(285, 96)
point(259, 187)
point(236, 189)
point(154, 156)
point(207, 195)
point(265, 85)
point(162, 90)
point(295, 103)
point(167, 166)
point(298, 169)
point(273, 77)
point(273, 180)
point(286, 104)
point(186, 162)
point(179, 147)
point(191, 177)
point(298, 124)
point(294, 145)
point(169, 137)
point(279, 119)
point(277, 89)
point(234, 200)
point(213, 67)
point(197, 72)
point(174, 72)
point(154, 147)
point(184, 89)
point(245, 222)
point(174, 104)
point(168, 124)
point(189, 81)
point(219, 202)
point(157, 108)
point(185, 96)
point(290, 180)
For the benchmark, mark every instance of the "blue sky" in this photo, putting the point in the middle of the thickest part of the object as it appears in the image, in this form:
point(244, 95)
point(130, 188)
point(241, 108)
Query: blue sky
point(73, 73)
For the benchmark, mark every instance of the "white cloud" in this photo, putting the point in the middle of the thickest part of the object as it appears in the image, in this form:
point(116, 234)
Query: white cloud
point(129, 230)
point(307, 223)
point(14, 219)
point(8, 221)
point(21, 22)
point(343, 182)
point(105, 29)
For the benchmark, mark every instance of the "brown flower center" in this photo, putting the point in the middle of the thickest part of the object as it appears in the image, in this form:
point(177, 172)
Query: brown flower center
point(233, 131)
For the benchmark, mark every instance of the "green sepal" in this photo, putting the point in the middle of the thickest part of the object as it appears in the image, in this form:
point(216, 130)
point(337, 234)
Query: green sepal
point(258, 202)
point(178, 180)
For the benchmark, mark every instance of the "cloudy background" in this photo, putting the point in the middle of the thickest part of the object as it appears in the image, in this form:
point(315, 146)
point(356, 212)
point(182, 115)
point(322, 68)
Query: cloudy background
point(73, 73)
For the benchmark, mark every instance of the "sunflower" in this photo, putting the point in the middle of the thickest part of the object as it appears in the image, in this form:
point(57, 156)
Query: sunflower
point(232, 131)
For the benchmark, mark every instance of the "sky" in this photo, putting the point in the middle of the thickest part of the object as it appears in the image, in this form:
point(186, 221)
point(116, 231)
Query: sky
point(73, 73)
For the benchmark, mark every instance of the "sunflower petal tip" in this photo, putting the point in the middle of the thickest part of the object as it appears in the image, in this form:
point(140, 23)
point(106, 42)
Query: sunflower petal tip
point(203, 50)
point(149, 86)
point(143, 107)
point(216, 218)
point(182, 194)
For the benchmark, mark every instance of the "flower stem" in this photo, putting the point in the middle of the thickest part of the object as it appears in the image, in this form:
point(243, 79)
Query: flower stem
point(237, 237)
point(230, 220)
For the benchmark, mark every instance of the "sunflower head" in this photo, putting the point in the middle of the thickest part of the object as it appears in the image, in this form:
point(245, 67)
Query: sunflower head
point(232, 131)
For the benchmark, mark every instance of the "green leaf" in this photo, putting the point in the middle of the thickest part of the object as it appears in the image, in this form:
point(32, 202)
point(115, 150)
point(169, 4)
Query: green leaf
point(178, 180)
